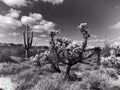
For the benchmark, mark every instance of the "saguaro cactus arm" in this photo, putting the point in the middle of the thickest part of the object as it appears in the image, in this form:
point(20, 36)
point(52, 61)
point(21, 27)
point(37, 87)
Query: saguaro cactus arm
point(24, 39)
point(31, 40)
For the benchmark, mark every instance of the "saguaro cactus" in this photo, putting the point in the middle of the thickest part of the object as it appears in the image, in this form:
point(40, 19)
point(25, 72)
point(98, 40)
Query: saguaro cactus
point(27, 41)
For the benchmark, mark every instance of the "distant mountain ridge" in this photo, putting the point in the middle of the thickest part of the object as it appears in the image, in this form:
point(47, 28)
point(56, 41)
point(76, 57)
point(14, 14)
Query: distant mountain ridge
point(11, 49)
point(6, 45)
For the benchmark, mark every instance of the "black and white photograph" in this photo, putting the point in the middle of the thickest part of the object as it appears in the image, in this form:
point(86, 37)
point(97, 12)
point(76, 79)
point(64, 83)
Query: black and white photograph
point(59, 44)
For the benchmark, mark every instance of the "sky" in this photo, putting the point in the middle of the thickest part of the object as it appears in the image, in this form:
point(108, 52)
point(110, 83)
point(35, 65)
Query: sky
point(102, 17)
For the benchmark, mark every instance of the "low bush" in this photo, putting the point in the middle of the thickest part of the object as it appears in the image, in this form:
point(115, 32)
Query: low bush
point(5, 58)
point(27, 79)
point(51, 82)
point(13, 69)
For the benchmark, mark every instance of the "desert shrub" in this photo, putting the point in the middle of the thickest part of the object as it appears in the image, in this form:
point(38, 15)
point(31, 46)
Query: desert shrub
point(12, 69)
point(110, 62)
point(112, 72)
point(106, 50)
point(25, 75)
point(39, 59)
point(18, 59)
point(6, 58)
point(94, 80)
point(19, 52)
point(103, 80)
point(27, 79)
point(51, 82)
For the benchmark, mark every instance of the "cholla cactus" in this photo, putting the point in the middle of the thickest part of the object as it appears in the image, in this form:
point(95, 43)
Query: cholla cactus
point(116, 47)
point(111, 61)
point(65, 51)
point(40, 59)
point(112, 53)
point(108, 61)
point(53, 33)
point(84, 30)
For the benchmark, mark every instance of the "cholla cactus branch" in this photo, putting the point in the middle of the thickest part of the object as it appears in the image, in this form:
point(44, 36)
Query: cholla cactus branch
point(53, 49)
point(84, 30)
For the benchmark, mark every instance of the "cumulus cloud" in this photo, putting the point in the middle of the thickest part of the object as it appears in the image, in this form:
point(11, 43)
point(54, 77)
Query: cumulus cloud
point(47, 40)
point(53, 1)
point(43, 35)
point(118, 38)
point(2, 35)
point(117, 7)
point(36, 38)
point(116, 26)
point(43, 26)
point(14, 34)
point(94, 36)
point(76, 42)
point(37, 23)
point(36, 16)
point(16, 2)
point(95, 43)
point(27, 20)
point(96, 40)
point(9, 21)
point(13, 13)
point(32, 19)
point(20, 3)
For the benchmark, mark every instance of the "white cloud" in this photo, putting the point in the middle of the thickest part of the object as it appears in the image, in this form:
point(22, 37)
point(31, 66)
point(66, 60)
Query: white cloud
point(32, 19)
point(95, 43)
point(76, 42)
point(20, 3)
point(37, 23)
point(94, 36)
point(2, 35)
point(117, 7)
point(36, 38)
point(14, 34)
point(53, 1)
point(47, 40)
point(96, 40)
point(118, 38)
point(28, 20)
point(9, 21)
point(37, 30)
point(43, 35)
point(15, 2)
point(116, 26)
point(13, 13)
point(36, 16)
point(43, 26)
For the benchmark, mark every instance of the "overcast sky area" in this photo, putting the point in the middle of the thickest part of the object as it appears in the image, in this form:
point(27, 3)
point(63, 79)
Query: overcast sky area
point(102, 16)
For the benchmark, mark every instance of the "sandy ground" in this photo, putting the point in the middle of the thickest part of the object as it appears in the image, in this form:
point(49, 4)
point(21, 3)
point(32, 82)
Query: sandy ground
point(7, 84)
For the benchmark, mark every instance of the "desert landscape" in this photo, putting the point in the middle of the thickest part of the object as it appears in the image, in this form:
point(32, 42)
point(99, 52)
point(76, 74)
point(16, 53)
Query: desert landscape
point(59, 45)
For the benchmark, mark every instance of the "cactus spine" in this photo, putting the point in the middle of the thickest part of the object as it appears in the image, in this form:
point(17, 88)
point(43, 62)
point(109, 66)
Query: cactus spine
point(27, 41)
